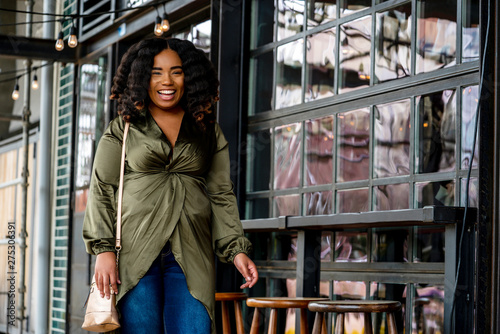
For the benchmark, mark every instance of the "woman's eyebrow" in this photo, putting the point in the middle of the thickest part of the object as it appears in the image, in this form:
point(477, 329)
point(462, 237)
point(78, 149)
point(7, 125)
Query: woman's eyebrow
point(172, 68)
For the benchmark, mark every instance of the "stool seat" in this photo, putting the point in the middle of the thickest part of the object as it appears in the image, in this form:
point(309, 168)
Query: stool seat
point(275, 303)
point(357, 306)
point(235, 297)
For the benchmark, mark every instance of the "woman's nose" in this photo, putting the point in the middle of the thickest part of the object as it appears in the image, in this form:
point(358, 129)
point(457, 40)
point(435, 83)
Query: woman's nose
point(166, 79)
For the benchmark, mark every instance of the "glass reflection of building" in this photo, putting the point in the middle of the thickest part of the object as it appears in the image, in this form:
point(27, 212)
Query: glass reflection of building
point(363, 113)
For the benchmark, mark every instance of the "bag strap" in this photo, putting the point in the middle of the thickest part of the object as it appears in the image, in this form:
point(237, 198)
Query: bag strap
point(118, 245)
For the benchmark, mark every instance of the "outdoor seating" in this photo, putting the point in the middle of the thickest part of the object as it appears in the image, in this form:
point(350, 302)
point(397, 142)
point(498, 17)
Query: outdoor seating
point(236, 298)
point(359, 306)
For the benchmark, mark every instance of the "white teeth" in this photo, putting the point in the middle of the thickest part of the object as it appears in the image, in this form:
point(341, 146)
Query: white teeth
point(166, 91)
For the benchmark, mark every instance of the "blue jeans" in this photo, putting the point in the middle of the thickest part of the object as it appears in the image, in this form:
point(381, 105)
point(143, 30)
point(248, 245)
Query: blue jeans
point(161, 303)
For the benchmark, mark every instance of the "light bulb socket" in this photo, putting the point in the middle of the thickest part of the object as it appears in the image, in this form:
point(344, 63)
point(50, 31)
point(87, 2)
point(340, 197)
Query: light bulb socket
point(16, 87)
point(60, 36)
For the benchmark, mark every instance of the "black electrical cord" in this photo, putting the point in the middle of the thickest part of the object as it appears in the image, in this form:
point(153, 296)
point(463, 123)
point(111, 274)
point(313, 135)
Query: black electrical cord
point(26, 72)
point(476, 119)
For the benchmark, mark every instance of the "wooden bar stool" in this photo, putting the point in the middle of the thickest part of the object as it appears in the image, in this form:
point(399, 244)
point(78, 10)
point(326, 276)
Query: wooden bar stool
point(235, 297)
point(275, 303)
point(360, 306)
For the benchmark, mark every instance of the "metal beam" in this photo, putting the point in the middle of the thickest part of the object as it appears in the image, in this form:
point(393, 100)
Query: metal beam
point(8, 118)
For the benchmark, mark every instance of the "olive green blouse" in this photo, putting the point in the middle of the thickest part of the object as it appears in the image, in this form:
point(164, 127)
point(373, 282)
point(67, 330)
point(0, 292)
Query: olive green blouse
point(183, 195)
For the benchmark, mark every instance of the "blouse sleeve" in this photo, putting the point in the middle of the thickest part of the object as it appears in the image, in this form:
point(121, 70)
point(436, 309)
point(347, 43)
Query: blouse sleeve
point(227, 232)
point(100, 215)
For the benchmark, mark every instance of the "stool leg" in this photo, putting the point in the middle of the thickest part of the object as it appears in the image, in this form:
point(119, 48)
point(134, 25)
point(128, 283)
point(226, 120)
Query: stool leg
point(303, 321)
point(391, 324)
point(318, 323)
point(240, 328)
point(226, 325)
point(368, 323)
point(273, 322)
point(339, 326)
point(255, 322)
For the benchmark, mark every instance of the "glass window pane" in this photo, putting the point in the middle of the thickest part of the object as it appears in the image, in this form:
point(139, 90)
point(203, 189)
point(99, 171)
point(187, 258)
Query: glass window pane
point(390, 245)
point(287, 157)
point(391, 197)
point(391, 149)
point(289, 74)
point(321, 12)
point(354, 56)
point(319, 151)
point(435, 193)
point(436, 132)
point(257, 208)
point(261, 83)
point(262, 23)
point(290, 18)
point(436, 34)
point(287, 205)
point(473, 192)
point(353, 151)
point(429, 246)
point(348, 7)
point(393, 44)
point(351, 290)
point(428, 309)
point(469, 110)
point(320, 69)
point(258, 152)
point(318, 203)
point(470, 30)
point(351, 246)
point(352, 201)
point(201, 35)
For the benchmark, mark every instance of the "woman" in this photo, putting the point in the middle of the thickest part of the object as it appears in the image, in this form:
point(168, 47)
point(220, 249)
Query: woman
point(178, 203)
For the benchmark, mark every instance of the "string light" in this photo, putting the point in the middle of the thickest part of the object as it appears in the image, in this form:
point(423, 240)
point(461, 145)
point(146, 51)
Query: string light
point(165, 24)
point(15, 92)
point(60, 38)
point(34, 84)
point(158, 30)
point(72, 41)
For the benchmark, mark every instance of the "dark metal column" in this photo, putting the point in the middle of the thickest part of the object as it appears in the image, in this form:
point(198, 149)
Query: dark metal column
point(488, 255)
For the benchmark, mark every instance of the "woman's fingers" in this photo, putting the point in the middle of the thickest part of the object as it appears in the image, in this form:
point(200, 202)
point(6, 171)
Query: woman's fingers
point(247, 268)
point(106, 274)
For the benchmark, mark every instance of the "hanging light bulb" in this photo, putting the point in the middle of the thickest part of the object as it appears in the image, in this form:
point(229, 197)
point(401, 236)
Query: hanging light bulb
point(72, 41)
point(15, 92)
point(158, 29)
point(34, 84)
point(165, 24)
point(60, 41)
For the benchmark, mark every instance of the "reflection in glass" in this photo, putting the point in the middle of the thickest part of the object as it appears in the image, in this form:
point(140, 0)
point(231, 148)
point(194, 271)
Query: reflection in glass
point(390, 245)
point(320, 12)
point(354, 56)
point(470, 30)
point(289, 74)
point(318, 203)
point(352, 201)
point(320, 69)
point(393, 44)
point(430, 243)
point(258, 152)
point(436, 132)
point(469, 110)
point(290, 17)
point(391, 149)
point(262, 23)
point(436, 34)
point(319, 151)
point(350, 247)
point(391, 197)
point(435, 193)
point(428, 309)
point(287, 158)
point(261, 83)
point(287, 205)
point(473, 192)
point(353, 145)
point(350, 290)
point(348, 7)
point(257, 208)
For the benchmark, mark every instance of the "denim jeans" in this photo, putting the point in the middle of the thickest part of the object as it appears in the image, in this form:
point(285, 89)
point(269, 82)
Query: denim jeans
point(161, 303)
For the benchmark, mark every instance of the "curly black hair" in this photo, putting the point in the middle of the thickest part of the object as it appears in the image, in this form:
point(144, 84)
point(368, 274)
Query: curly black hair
point(131, 81)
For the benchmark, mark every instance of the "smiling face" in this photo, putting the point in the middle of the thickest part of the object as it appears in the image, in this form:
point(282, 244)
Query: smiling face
point(166, 85)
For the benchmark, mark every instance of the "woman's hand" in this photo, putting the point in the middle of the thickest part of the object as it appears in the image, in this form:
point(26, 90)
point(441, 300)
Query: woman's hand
point(106, 273)
point(247, 268)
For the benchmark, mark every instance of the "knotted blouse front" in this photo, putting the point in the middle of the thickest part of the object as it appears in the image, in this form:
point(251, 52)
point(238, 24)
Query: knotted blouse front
point(183, 195)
